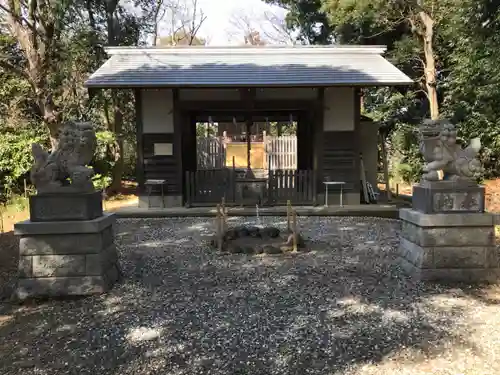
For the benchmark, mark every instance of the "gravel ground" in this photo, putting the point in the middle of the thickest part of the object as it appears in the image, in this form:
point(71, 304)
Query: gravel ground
point(342, 308)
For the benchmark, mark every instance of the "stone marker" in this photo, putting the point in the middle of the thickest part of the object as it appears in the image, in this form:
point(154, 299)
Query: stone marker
point(446, 235)
point(67, 246)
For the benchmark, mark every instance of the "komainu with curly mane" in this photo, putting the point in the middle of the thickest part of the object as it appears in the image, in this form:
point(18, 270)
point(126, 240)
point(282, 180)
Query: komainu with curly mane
point(65, 169)
point(442, 153)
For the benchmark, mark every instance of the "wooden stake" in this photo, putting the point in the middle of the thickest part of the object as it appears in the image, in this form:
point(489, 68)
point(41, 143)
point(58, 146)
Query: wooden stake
point(225, 214)
point(363, 179)
point(288, 213)
point(385, 167)
point(1, 218)
point(294, 230)
point(219, 228)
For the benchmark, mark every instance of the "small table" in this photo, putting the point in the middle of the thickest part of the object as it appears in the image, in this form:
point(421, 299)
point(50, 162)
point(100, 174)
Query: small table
point(149, 187)
point(328, 183)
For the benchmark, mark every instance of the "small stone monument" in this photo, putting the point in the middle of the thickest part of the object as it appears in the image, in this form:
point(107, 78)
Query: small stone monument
point(67, 246)
point(446, 235)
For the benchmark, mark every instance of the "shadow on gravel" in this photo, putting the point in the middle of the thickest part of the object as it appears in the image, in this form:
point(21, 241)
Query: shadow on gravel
point(182, 309)
point(9, 256)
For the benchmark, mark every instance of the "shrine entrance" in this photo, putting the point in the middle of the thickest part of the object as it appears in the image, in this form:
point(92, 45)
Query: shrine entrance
point(249, 159)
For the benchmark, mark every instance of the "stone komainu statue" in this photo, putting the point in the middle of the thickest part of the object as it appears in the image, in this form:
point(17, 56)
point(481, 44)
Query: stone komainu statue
point(65, 169)
point(441, 152)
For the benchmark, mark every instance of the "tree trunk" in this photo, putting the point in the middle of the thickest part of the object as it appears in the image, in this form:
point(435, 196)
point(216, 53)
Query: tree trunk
point(385, 167)
point(430, 63)
point(51, 119)
point(117, 125)
point(37, 32)
point(156, 20)
point(119, 166)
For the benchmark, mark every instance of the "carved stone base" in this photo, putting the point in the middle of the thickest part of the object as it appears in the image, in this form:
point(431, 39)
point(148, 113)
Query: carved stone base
point(448, 197)
point(69, 206)
point(66, 258)
point(449, 247)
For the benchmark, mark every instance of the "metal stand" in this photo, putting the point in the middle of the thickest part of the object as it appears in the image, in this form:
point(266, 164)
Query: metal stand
point(341, 183)
point(149, 184)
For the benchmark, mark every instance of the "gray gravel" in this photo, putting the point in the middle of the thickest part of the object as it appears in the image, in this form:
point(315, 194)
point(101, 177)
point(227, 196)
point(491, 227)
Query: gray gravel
point(343, 308)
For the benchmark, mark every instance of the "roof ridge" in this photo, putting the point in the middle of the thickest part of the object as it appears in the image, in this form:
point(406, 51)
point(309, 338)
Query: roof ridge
point(330, 49)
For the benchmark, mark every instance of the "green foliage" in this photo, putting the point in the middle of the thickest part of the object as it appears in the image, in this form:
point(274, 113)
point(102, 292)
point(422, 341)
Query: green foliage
point(466, 44)
point(467, 50)
point(15, 155)
point(18, 203)
point(101, 182)
point(309, 19)
point(473, 85)
point(204, 129)
point(130, 160)
point(72, 36)
point(104, 161)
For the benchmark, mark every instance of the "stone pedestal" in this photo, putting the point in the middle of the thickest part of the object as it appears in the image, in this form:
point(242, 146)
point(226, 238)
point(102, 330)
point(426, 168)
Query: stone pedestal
point(66, 206)
point(62, 258)
point(449, 246)
point(447, 197)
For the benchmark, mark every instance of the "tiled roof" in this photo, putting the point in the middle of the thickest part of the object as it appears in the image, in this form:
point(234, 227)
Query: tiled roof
point(248, 66)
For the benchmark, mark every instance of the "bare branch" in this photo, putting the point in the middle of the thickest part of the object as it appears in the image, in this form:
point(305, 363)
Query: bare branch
point(244, 28)
point(12, 12)
point(423, 91)
point(184, 21)
point(280, 32)
point(159, 13)
point(414, 27)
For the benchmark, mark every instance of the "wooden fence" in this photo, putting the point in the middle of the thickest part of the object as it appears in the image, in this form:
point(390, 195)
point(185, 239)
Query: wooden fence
point(211, 152)
point(299, 187)
point(208, 187)
point(281, 152)
point(273, 153)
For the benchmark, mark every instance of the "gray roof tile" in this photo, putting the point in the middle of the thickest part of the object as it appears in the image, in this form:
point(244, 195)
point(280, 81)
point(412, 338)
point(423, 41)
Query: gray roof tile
point(229, 66)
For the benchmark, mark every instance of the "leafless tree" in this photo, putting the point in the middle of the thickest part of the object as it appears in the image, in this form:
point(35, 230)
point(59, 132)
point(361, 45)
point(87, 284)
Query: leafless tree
point(267, 28)
point(158, 14)
point(277, 30)
point(242, 26)
point(180, 20)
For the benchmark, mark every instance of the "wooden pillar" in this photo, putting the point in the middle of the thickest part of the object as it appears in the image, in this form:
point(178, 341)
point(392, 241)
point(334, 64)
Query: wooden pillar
point(179, 120)
point(248, 97)
point(304, 141)
point(317, 146)
point(248, 124)
point(357, 134)
point(140, 143)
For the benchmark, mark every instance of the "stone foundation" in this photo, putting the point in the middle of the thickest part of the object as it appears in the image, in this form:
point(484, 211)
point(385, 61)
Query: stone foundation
point(447, 196)
point(348, 199)
point(154, 201)
point(449, 247)
point(66, 206)
point(62, 258)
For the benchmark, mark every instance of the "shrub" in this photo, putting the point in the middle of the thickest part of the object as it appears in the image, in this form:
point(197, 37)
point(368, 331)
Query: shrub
point(101, 182)
point(15, 155)
point(104, 158)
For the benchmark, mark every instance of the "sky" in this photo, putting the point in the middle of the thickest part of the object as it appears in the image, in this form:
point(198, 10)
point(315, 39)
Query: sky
point(219, 28)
